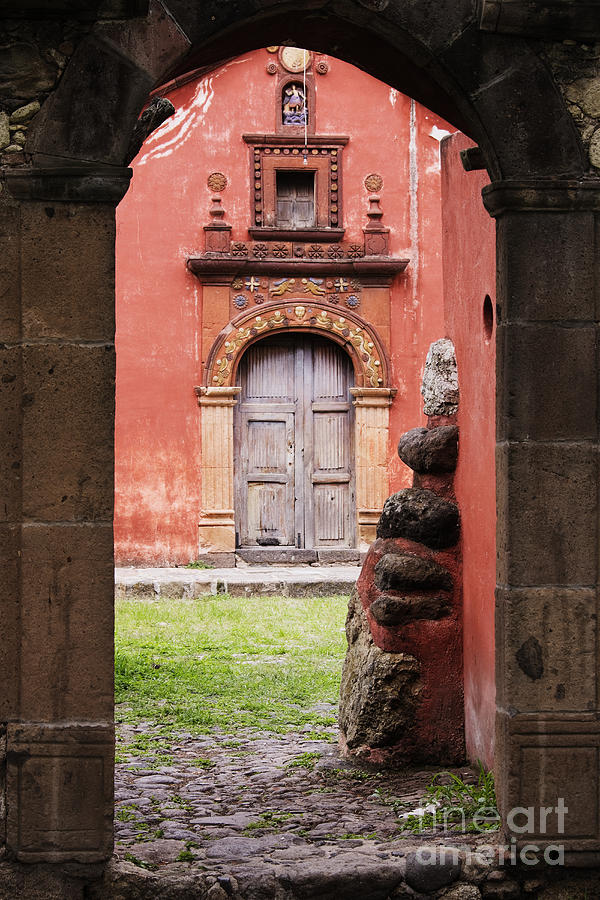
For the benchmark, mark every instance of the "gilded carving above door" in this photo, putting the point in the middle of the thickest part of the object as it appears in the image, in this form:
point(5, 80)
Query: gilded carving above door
point(359, 339)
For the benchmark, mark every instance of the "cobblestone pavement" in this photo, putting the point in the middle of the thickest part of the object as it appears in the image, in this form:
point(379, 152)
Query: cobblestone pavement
point(256, 806)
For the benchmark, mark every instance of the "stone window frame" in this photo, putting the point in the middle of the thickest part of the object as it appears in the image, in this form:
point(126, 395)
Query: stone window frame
point(272, 152)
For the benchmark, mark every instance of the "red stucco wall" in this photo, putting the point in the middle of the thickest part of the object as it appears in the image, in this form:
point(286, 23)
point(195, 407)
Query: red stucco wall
point(469, 275)
point(159, 303)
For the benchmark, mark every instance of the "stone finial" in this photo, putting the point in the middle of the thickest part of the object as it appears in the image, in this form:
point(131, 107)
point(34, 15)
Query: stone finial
point(375, 214)
point(216, 212)
point(217, 234)
point(376, 236)
point(439, 387)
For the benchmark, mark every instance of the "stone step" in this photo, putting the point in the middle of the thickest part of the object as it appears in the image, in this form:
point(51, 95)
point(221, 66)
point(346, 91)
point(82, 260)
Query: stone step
point(261, 556)
point(285, 581)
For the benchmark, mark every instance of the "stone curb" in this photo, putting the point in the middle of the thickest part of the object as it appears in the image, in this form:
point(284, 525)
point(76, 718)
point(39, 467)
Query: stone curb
point(295, 581)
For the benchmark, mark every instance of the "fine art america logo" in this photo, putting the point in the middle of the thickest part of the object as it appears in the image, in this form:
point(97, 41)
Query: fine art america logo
point(520, 822)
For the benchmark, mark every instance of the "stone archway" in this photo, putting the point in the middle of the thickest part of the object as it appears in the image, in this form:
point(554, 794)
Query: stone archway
point(59, 365)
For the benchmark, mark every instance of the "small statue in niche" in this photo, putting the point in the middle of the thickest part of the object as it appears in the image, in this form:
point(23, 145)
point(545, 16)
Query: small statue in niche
point(294, 105)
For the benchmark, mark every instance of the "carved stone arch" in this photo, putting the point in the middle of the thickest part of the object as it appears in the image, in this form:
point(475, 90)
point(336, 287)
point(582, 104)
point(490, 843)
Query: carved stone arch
point(498, 91)
point(354, 334)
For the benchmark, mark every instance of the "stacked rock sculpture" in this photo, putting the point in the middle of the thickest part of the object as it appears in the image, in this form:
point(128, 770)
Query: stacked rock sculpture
point(402, 685)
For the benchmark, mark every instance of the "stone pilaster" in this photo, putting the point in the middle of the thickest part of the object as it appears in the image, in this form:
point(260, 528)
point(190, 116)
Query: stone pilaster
point(216, 528)
point(58, 363)
point(372, 422)
point(548, 739)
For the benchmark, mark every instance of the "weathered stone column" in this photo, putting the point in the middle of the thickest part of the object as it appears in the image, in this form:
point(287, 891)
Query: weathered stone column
point(548, 735)
point(58, 369)
point(216, 528)
point(372, 424)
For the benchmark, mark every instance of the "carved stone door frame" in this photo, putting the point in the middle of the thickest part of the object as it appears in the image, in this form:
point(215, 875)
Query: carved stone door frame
point(216, 526)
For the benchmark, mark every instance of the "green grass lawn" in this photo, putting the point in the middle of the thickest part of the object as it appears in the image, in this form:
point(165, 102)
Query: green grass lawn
point(229, 662)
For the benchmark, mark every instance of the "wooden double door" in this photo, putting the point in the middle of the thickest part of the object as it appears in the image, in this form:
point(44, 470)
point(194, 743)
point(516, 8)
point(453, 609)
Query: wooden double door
point(294, 480)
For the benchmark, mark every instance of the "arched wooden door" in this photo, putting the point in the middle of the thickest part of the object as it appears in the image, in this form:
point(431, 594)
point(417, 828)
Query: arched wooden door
point(294, 472)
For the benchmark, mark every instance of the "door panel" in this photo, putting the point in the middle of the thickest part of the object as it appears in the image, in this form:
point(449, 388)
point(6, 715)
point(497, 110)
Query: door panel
point(332, 372)
point(331, 510)
point(266, 487)
point(267, 506)
point(294, 432)
point(331, 441)
point(266, 445)
point(331, 478)
point(267, 374)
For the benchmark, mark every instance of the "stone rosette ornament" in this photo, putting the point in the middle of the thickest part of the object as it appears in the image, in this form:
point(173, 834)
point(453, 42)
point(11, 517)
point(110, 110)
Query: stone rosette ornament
point(239, 248)
point(217, 181)
point(373, 183)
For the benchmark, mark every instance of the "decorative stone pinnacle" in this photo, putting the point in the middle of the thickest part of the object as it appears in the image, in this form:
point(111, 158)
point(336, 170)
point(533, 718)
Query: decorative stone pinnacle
point(374, 213)
point(217, 233)
point(216, 212)
point(376, 235)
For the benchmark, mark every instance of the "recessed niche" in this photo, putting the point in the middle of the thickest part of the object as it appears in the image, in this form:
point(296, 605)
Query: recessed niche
point(488, 318)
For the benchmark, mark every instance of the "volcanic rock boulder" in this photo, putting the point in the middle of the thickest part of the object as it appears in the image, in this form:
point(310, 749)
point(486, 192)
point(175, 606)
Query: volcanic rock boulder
point(157, 112)
point(422, 516)
point(430, 450)
point(408, 572)
point(426, 876)
point(439, 388)
point(379, 694)
point(393, 611)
